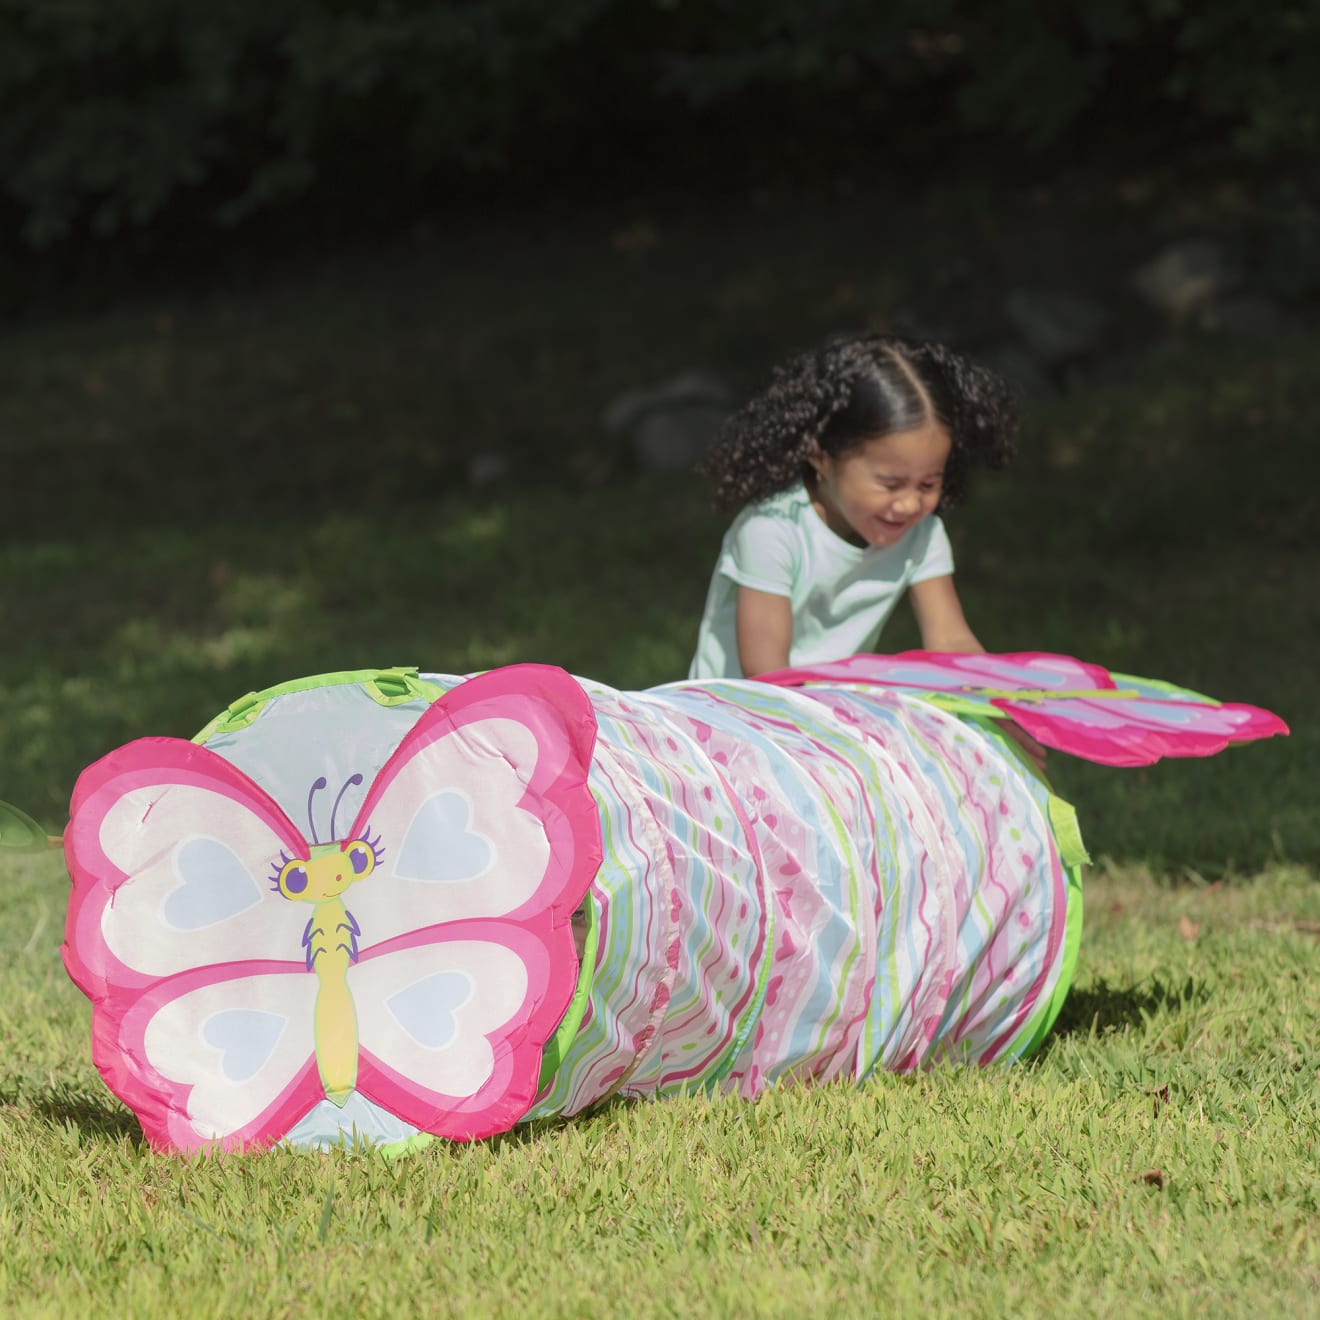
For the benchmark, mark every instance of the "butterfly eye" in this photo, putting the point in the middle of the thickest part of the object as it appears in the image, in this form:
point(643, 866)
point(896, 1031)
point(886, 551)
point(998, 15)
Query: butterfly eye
point(293, 878)
point(362, 857)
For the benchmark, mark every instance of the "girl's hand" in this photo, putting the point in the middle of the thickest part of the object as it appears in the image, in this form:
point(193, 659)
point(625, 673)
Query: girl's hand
point(944, 628)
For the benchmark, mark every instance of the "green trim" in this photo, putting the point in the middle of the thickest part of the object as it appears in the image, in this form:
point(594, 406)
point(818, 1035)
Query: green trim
point(1162, 686)
point(1057, 694)
point(981, 704)
point(399, 685)
point(1067, 832)
point(552, 1056)
point(393, 1150)
point(956, 704)
point(1046, 1013)
point(388, 687)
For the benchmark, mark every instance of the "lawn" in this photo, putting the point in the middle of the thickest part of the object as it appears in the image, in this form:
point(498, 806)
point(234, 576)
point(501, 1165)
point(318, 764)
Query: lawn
point(220, 486)
point(1158, 1157)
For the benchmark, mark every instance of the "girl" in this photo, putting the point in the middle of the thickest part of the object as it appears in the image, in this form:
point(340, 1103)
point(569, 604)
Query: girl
point(841, 466)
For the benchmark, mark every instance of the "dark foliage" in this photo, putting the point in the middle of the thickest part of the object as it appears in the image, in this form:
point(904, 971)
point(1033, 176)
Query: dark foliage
point(116, 117)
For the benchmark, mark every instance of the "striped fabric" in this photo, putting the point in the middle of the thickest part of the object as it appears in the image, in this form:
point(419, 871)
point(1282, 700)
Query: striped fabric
point(810, 883)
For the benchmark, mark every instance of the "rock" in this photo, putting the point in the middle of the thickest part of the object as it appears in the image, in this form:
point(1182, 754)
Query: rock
point(671, 425)
point(688, 389)
point(675, 441)
point(1244, 317)
point(1186, 278)
point(1058, 327)
point(487, 469)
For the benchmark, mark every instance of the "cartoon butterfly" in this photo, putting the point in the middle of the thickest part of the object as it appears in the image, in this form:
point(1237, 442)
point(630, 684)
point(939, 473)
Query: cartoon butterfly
point(241, 976)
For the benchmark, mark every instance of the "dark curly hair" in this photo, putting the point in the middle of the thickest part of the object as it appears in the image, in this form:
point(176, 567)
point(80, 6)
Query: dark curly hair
point(851, 391)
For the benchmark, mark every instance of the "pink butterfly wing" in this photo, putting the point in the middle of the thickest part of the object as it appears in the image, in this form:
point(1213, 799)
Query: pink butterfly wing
point(168, 847)
point(220, 1061)
point(492, 839)
point(1113, 720)
point(496, 768)
point(488, 997)
point(1135, 730)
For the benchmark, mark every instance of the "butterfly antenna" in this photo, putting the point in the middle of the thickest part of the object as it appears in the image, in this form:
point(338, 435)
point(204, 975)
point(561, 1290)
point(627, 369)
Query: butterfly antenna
point(311, 824)
point(352, 779)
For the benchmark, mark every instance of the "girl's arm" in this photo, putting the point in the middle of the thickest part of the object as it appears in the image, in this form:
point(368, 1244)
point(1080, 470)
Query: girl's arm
point(764, 628)
point(944, 628)
point(940, 617)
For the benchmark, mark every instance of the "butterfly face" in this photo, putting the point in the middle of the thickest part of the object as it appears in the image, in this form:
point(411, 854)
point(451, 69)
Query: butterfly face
point(327, 872)
point(453, 969)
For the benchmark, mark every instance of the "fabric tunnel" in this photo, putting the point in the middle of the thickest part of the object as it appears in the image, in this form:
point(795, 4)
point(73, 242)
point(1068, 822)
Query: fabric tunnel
point(517, 895)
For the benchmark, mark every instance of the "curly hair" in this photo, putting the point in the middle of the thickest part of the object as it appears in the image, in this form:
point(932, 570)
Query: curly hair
point(851, 391)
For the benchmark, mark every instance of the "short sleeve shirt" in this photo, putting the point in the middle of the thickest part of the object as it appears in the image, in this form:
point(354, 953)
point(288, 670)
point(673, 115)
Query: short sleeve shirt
point(840, 594)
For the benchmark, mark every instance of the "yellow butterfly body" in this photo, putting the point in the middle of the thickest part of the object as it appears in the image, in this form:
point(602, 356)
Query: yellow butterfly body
point(331, 943)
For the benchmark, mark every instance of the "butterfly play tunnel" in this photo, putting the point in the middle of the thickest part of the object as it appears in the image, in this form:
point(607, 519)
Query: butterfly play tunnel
point(814, 878)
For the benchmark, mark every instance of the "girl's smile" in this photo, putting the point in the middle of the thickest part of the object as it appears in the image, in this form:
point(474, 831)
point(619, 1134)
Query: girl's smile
point(874, 495)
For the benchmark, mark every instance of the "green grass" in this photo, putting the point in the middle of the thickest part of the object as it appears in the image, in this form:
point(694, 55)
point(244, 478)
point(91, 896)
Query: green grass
point(216, 489)
point(1158, 1157)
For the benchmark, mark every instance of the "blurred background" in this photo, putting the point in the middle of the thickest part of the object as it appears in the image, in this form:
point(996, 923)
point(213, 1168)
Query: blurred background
point(338, 334)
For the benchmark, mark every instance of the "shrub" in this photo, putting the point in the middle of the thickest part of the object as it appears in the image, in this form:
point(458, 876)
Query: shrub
point(112, 116)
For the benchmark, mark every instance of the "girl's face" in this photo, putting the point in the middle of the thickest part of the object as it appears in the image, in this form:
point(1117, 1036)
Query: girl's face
point(875, 494)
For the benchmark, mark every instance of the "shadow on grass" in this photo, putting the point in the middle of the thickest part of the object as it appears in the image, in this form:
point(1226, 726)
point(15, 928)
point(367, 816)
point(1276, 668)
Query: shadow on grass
point(95, 1116)
point(1103, 1007)
point(101, 1117)
point(538, 1129)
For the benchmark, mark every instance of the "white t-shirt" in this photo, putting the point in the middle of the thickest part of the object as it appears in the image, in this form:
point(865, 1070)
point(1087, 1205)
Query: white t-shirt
point(841, 594)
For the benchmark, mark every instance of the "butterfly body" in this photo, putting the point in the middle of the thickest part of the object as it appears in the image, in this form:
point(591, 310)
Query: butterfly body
point(331, 942)
point(330, 939)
